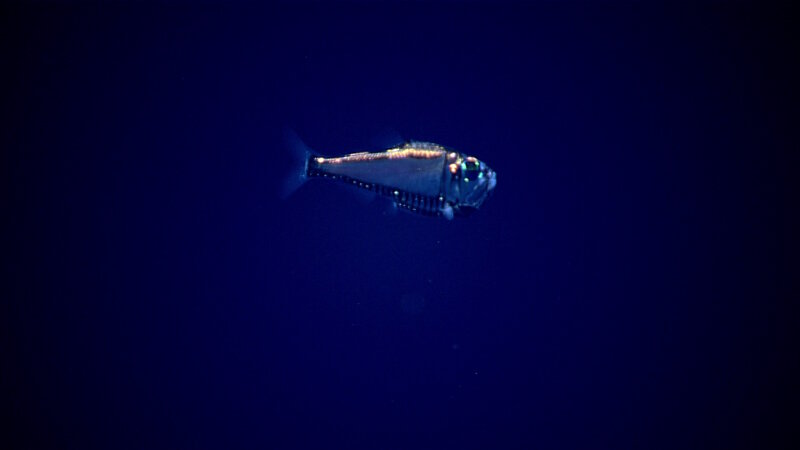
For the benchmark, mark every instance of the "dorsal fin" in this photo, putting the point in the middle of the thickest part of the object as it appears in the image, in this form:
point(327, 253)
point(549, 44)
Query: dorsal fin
point(421, 145)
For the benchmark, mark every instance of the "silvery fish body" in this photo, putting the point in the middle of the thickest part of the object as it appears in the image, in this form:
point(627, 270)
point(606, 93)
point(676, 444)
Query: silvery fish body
point(420, 177)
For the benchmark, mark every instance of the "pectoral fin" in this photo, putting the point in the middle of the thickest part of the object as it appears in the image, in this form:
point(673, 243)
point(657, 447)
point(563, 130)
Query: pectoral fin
point(447, 212)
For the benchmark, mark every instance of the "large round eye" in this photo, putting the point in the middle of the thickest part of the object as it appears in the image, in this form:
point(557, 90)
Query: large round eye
point(470, 169)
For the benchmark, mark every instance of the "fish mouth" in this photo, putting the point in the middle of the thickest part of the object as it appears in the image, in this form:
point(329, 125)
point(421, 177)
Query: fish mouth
point(492, 181)
point(475, 200)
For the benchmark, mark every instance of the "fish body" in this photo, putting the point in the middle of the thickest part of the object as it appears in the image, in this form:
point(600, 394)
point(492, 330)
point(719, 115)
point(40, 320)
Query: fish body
point(420, 177)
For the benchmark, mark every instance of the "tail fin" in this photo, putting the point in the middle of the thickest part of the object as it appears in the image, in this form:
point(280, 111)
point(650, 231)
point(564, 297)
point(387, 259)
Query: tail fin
point(300, 155)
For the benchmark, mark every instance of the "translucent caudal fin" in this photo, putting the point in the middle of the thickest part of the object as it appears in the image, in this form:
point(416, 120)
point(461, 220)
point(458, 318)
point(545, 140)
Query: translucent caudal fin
point(300, 154)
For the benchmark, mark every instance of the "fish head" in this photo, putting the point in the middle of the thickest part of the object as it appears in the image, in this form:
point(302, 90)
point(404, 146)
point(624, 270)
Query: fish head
point(476, 182)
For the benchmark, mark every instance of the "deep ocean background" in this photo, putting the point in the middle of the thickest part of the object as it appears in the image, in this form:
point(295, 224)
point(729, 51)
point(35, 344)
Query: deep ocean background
point(627, 286)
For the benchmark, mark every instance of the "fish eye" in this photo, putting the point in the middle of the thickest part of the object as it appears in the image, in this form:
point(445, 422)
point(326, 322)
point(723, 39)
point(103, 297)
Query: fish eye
point(471, 169)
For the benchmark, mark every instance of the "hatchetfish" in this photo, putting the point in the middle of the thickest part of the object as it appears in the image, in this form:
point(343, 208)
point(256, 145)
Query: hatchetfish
point(420, 177)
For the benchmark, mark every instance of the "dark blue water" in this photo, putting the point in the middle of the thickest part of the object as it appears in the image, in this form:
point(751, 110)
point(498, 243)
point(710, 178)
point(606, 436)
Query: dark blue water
point(624, 287)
